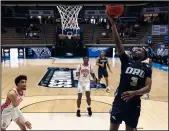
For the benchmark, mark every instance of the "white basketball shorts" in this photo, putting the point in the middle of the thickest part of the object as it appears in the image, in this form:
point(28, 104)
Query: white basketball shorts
point(83, 86)
point(9, 116)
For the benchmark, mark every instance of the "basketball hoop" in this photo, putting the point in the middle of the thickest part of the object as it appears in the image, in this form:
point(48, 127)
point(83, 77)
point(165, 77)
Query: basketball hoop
point(69, 16)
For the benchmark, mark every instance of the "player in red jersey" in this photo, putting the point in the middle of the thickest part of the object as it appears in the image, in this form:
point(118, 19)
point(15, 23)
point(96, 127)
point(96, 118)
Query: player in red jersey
point(84, 73)
point(10, 111)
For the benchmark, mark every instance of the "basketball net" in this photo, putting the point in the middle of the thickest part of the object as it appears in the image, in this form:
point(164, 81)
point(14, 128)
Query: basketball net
point(42, 52)
point(69, 16)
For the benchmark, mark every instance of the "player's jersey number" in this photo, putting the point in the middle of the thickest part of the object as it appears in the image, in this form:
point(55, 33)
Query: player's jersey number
point(85, 74)
point(134, 81)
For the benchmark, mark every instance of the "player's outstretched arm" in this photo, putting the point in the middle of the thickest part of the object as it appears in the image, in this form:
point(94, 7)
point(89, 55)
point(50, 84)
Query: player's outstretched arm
point(78, 71)
point(92, 73)
point(116, 36)
point(27, 123)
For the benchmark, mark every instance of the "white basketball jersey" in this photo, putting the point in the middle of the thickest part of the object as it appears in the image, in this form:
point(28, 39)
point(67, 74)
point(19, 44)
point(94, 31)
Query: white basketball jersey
point(146, 61)
point(8, 105)
point(85, 72)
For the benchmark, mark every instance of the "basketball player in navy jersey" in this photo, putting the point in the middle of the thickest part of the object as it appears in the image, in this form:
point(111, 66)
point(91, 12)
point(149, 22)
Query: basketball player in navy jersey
point(135, 81)
point(103, 63)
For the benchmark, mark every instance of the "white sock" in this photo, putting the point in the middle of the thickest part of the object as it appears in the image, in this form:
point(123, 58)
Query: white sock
point(88, 106)
point(78, 108)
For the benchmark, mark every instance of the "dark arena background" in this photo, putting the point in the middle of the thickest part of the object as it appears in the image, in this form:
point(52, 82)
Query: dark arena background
point(47, 40)
point(37, 30)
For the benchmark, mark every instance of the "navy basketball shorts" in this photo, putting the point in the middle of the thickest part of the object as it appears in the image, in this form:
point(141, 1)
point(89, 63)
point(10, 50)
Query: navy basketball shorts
point(102, 73)
point(130, 117)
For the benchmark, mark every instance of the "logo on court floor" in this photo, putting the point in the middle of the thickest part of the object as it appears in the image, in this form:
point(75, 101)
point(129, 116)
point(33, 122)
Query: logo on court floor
point(61, 78)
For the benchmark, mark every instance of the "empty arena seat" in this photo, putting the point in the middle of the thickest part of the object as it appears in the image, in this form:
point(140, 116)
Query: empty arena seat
point(11, 37)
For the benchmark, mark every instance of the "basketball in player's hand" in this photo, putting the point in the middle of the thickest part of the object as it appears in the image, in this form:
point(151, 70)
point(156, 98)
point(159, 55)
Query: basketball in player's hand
point(114, 11)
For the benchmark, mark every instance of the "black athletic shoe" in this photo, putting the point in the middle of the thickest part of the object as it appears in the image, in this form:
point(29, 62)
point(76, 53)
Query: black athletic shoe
point(89, 111)
point(78, 113)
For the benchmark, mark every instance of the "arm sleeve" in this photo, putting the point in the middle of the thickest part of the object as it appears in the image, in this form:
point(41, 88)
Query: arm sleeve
point(124, 58)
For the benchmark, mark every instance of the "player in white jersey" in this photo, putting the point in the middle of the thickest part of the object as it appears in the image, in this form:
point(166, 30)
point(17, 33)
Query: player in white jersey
point(84, 73)
point(10, 111)
point(148, 61)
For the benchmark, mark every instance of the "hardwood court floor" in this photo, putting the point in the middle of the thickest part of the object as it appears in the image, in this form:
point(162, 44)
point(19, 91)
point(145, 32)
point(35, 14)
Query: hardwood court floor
point(47, 100)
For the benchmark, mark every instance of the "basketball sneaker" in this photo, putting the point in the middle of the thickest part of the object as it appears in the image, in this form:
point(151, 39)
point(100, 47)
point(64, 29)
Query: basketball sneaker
point(108, 89)
point(148, 97)
point(89, 111)
point(78, 113)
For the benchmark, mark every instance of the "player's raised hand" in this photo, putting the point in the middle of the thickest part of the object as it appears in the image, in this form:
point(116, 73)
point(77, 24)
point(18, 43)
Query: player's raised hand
point(126, 96)
point(110, 18)
point(116, 36)
point(28, 125)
